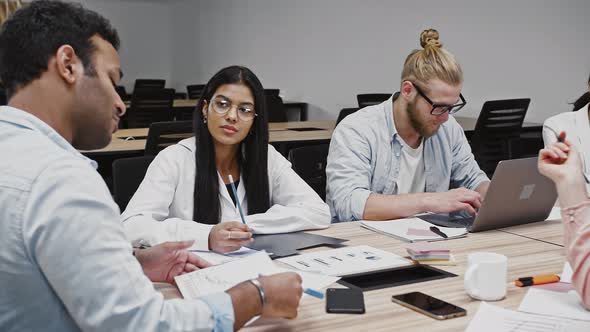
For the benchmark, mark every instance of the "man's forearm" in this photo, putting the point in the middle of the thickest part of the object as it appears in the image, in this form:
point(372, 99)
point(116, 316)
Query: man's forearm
point(246, 302)
point(386, 207)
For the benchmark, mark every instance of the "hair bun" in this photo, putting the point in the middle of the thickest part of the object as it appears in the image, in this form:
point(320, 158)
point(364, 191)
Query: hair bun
point(429, 38)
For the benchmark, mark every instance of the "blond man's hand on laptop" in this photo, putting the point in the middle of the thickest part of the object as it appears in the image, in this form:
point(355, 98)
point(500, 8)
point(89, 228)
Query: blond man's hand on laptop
point(454, 200)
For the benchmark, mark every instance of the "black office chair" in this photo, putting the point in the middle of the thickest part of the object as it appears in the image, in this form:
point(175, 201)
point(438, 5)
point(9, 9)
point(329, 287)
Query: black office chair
point(122, 92)
point(368, 99)
point(195, 90)
point(300, 108)
point(272, 92)
point(164, 134)
point(274, 108)
point(149, 105)
point(345, 112)
point(3, 98)
point(497, 129)
point(142, 83)
point(309, 162)
point(127, 176)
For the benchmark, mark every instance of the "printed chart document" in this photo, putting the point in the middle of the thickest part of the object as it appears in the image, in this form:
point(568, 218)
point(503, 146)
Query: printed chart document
point(346, 261)
point(224, 276)
point(490, 318)
point(412, 229)
point(564, 305)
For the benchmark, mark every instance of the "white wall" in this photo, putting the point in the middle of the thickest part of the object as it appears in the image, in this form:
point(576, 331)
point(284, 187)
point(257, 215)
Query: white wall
point(326, 51)
point(145, 31)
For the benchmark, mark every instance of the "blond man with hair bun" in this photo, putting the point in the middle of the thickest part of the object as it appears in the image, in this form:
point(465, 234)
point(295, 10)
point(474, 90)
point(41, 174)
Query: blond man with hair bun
point(407, 155)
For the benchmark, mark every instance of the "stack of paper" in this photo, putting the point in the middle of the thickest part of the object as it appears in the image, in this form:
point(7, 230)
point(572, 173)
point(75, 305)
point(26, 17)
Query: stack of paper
point(413, 229)
point(430, 253)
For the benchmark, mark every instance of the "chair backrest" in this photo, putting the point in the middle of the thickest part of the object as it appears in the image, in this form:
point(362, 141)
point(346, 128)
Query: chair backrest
point(122, 92)
point(309, 162)
point(150, 105)
point(272, 92)
point(164, 134)
point(498, 125)
point(274, 108)
point(143, 83)
point(368, 99)
point(127, 176)
point(345, 112)
point(194, 90)
point(3, 97)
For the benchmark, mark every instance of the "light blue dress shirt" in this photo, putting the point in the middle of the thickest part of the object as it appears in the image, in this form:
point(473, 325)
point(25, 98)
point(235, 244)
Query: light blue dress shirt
point(65, 264)
point(365, 153)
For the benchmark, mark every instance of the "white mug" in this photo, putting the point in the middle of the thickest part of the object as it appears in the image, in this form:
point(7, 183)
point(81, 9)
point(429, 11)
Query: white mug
point(486, 275)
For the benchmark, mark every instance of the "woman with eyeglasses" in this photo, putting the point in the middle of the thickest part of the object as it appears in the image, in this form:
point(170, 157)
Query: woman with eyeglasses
point(576, 125)
point(187, 192)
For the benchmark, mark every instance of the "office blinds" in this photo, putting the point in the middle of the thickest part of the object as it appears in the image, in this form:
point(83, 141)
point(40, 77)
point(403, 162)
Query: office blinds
point(8, 7)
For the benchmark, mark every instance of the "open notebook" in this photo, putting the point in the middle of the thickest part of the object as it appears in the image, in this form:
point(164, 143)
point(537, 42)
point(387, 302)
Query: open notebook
point(412, 229)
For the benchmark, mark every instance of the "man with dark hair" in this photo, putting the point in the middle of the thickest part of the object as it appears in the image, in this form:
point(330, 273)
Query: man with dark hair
point(65, 263)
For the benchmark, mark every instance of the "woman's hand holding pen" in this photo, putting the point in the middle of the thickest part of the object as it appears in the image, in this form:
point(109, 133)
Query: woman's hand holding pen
point(229, 236)
point(561, 163)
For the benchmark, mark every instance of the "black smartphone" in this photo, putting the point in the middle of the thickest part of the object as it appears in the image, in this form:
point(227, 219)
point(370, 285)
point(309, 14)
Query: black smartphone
point(429, 305)
point(345, 301)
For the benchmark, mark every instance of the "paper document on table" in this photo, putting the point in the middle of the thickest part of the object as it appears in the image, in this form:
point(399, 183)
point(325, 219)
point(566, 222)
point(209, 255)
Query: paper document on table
point(412, 229)
point(564, 305)
point(216, 259)
point(566, 274)
point(346, 261)
point(491, 318)
point(222, 277)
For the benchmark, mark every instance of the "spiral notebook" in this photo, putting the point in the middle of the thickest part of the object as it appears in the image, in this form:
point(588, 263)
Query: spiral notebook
point(413, 230)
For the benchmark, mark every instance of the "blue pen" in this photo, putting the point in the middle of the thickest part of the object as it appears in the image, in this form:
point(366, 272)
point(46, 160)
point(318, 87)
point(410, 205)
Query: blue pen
point(314, 293)
point(233, 188)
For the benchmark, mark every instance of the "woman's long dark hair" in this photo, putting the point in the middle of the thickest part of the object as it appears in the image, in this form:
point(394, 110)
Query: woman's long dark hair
point(253, 162)
point(583, 100)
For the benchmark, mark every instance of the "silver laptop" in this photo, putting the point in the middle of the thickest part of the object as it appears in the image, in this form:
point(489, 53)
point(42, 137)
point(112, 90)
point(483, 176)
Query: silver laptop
point(518, 194)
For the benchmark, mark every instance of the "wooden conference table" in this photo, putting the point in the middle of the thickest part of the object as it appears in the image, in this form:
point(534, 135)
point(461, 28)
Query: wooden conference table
point(526, 257)
point(178, 103)
point(133, 140)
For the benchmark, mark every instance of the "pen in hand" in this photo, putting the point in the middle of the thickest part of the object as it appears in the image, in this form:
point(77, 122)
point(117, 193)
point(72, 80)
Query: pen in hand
point(560, 136)
point(233, 188)
point(309, 291)
point(561, 139)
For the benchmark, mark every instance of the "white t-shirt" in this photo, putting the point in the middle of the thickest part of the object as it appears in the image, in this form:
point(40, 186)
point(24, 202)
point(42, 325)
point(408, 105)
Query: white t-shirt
point(412, 178)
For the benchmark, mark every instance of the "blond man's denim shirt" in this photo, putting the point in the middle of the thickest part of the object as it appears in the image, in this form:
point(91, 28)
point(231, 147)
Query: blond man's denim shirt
point(365, 153)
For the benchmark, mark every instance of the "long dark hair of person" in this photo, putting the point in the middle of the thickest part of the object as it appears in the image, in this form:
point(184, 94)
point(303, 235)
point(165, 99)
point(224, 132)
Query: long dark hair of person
point(253, 152)
point(583, 100)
